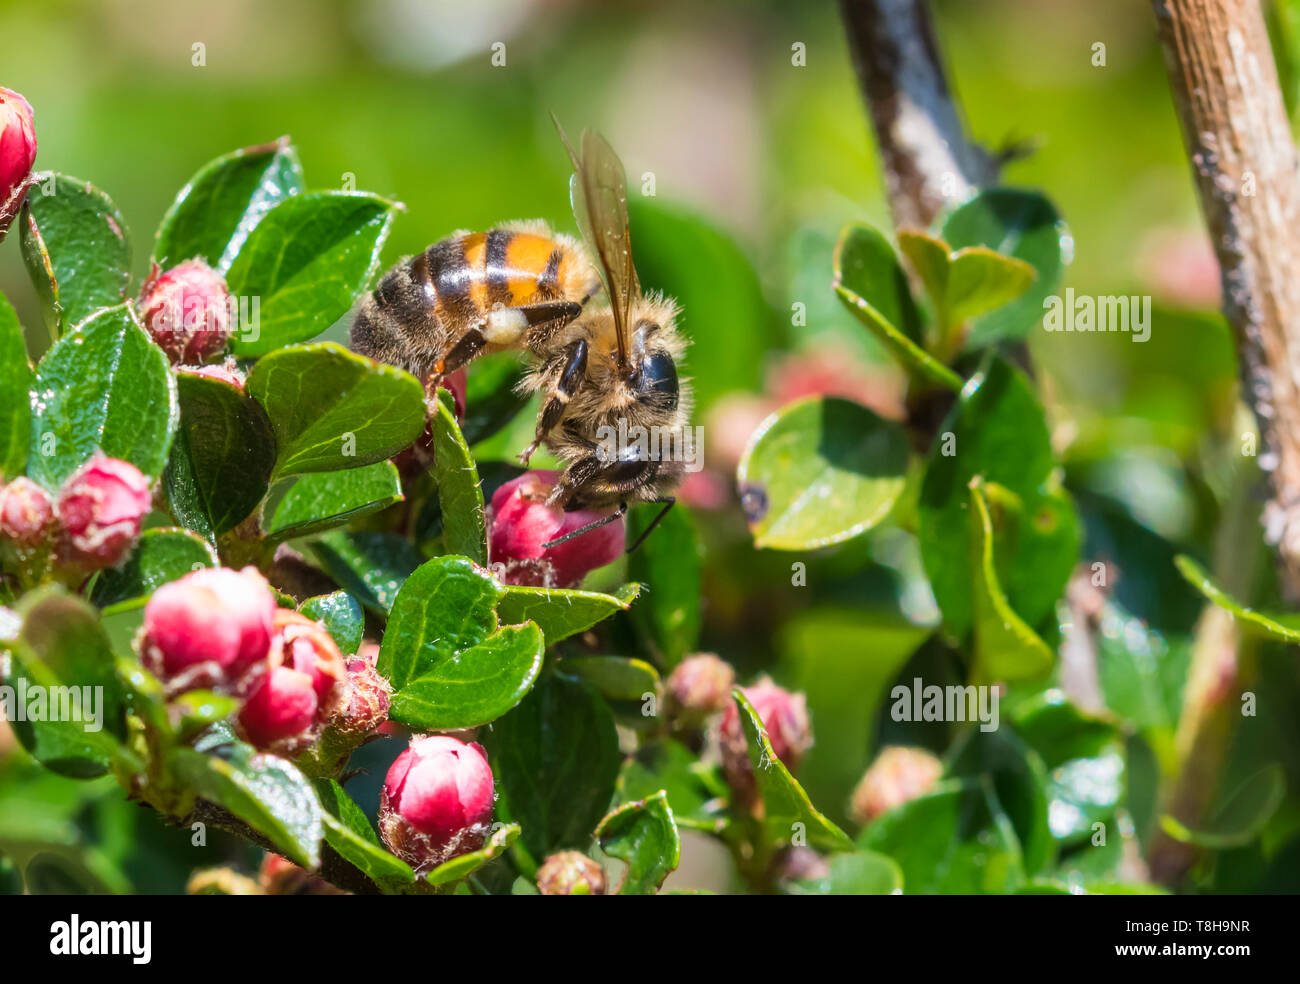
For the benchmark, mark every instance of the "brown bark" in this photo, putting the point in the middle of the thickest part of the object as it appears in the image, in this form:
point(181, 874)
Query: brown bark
point(1238, 138)
point(927, 157)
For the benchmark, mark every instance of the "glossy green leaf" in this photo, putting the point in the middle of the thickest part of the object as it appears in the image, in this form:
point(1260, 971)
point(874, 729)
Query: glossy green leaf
point(451, 664)
point(490, 398)
point(696, 791)
point(644, 834)
point(872, 285)
point(1285, 627)
point(997, 431)
point(221, 464)
point(1242, 815)
point(75, 245)
point(200, 709)
point(859, 873)
point(464, 530)
point(332, 410)
point(820, 471)
point(370, 566)
point(214, 213)
point(306, 261)
point(348, 831)
point(103, 386)
point(322, 500)
point(15, 403)
point(561, 612)
point(669, 566)
point(1006, 649)
point(462, 867)
point(616, 677)
point(265, 791)
point(1020, 224)
point(68, 705)
point(787, 811)
point(343, 618)
point(161, 554)
point(556, 760)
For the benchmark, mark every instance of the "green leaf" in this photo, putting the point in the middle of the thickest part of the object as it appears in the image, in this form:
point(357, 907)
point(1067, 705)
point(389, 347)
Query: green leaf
point(1020, 224)
point(162, 554)
point(343, 618)
point(556, 759)
point(213, 215)
point(200, 709)
point(74, 723)
point(370, 566)
point(859, 873)
point(75, 245)
point(1285, 627)
point(786, 807)
point(820, 471)
point(221, 464)
point(450, 662)
point(265, 791)
point(333, 410)
point(490, 398)
point(560, 612)
point(953, 841)
point(307, 260)
point(103, 386)
point(464, 530)
point(616, 677)
point(462, 867)
point(644, 834)
point(696, 791)
point(872, 285)
point(1242, 816)
point(668, 565)
point(348, 831)
point(1006, 649)
point(320, 501)
point(15, 402)
point(997, 431)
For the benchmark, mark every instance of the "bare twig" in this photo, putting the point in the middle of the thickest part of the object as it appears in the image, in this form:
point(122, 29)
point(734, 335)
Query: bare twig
point(927, 156)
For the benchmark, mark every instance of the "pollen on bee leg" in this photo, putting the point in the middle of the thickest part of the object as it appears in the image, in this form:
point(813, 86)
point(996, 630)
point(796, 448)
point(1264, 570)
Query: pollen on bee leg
point(504, 326)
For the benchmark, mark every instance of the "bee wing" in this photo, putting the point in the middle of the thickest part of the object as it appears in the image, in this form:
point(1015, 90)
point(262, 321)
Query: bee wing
point(598, 192)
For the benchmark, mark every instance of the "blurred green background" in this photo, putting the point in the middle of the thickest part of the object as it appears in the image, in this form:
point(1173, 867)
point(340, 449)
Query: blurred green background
point(756, 164)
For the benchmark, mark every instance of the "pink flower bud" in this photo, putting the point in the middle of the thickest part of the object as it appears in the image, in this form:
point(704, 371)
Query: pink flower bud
point(520, 523)
point(437, 801)
point(26, 512)
point(368, 693)
point(187, 311)
point(227, 372)
point(570, 873)
point(898, 774)
point(785, 718)
point(210, 629)
point(17, 153)
point(100, 509)
point(305, 645)
point(281, 712)
point(700, 685)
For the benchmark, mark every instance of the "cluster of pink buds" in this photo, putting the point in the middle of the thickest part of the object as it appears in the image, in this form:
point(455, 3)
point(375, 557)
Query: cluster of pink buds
point(17, 154)
point(521, 523)
point(92, 522)
point(785, 718)
point(437, 801)
point(899, 774)
point(187, 311)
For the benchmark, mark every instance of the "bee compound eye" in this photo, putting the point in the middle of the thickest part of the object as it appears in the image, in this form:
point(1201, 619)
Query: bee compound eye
point(657, 380)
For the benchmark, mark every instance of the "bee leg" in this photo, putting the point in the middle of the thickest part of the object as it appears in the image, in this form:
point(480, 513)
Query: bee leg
point(593, 525)
point(572, 376)
point(468, 346)
point(668, 502)
point(546, 319)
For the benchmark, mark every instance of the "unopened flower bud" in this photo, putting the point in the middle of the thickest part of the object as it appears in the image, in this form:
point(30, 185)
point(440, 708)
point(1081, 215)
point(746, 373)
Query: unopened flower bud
point(26, 512)
point(521, 524)
point(437, 802)
point(700, 685)
point(227, 371)
point(367, 698)
point(187, 311)
point(209, 629)
point(898, 774)
point(305, 645)
point(100, 510)
point(785, 718)
point(570, 873)
point(17, 153)
point(280, 713)
point(279, 876)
